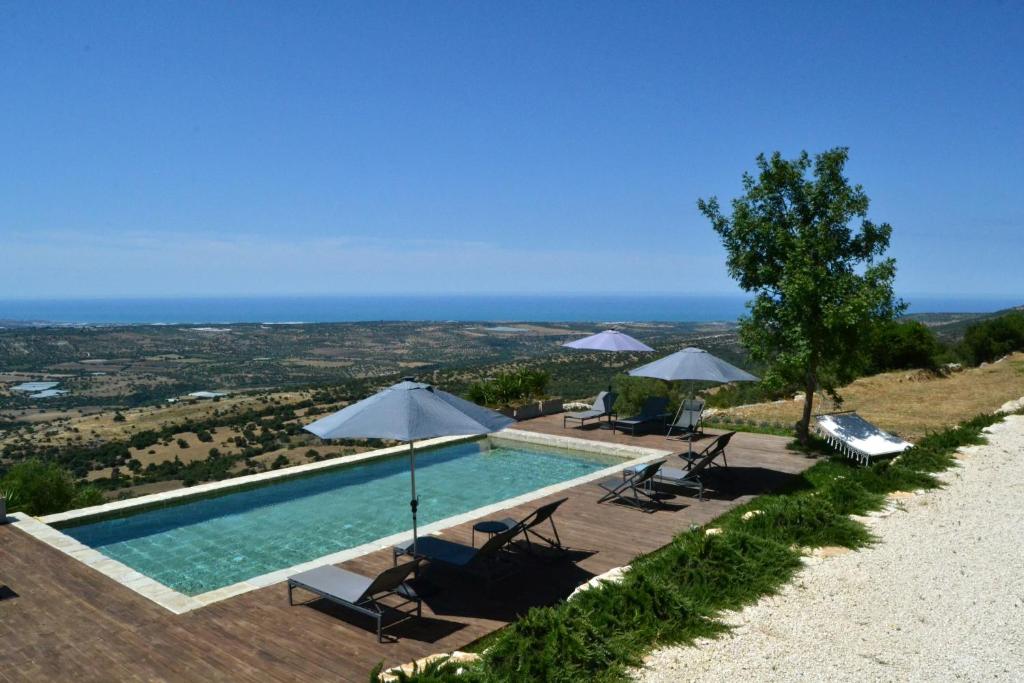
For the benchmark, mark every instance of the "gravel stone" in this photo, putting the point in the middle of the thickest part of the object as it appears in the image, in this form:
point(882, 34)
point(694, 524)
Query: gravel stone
point(940, 597)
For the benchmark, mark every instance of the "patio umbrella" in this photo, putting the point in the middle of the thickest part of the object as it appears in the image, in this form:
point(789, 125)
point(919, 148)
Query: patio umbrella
point(609, 340)
point(409, 411)
point(695, 365)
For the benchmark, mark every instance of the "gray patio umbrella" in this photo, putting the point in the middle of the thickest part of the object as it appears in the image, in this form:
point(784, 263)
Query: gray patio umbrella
point(695, 365)
point(609, 340)
point(409, 411)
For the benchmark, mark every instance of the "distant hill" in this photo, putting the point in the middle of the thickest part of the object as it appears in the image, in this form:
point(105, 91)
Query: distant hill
point(950, 327)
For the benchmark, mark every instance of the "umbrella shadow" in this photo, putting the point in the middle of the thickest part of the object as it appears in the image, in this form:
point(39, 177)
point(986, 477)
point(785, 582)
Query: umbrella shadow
point(661, 500)
point(730, 483)
point(532, 582)
point(402, 624)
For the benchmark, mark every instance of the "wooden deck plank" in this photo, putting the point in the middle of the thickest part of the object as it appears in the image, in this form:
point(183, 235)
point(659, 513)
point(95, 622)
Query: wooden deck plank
point(68, 622)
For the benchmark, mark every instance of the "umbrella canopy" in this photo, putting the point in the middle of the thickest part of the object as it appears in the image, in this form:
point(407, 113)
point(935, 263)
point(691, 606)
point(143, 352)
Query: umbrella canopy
point(693, 364)
point(409, 411)
point(609, 340)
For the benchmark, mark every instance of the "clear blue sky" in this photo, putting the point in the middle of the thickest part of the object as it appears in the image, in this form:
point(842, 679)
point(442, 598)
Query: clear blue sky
point(176, 148)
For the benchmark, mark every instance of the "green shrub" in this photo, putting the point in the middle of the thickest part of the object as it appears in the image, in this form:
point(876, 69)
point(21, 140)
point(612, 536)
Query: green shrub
point(39, 488)
point(507, 388)
point(990, 339)
point(804, 519)
point(633, 391)
point(744, 393)
point(904, 344)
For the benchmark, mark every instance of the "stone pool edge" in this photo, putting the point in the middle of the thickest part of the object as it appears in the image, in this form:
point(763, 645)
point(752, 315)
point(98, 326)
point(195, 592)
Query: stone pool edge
point(179, 603)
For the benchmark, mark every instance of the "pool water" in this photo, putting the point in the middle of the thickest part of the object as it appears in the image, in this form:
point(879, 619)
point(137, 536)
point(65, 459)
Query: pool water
point(208, 543)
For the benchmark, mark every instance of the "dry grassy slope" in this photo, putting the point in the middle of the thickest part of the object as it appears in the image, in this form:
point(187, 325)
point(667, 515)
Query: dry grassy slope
point(103, 425)
point(911, 403)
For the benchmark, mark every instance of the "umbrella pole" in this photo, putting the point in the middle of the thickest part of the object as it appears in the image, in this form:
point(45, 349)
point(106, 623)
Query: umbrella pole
point(414, 501)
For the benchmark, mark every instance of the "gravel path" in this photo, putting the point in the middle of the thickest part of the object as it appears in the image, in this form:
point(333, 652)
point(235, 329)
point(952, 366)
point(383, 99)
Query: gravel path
point(940, 597)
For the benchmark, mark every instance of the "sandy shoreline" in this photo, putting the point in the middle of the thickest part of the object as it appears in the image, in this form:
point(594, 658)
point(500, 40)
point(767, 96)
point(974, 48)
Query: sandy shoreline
point(939, 597)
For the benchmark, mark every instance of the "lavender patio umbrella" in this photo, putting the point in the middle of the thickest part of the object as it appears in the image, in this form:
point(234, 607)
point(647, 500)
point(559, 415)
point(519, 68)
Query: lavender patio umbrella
point(609, 340)
point(409, 411)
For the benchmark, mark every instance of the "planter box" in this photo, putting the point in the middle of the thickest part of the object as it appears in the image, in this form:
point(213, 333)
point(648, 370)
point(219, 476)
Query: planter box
point(552, 406)
point(3, 510)
point(527, 411)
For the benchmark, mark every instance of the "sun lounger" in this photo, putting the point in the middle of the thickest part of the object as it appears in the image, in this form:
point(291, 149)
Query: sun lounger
point(857, 438)
point(529, 524)
point(360, 593)
point(636, 488)
point(689, 419)
point(689, 477)
point(482, 561)
point(710, 452)
point(652, 412)
point(602, 408)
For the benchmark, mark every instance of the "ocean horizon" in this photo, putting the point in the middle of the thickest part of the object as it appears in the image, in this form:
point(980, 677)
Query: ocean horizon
point(459, 308)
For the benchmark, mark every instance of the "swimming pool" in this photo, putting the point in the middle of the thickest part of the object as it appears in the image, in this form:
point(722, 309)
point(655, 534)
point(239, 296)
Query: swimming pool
point(204, 544)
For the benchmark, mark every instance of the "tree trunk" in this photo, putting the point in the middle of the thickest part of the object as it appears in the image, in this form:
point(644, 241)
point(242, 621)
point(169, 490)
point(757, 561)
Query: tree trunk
point(803, 428)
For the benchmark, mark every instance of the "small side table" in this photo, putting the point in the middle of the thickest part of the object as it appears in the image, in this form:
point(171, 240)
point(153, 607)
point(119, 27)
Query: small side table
point(489, 527)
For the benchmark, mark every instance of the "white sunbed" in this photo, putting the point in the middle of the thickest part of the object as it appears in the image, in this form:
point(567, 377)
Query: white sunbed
point(859, 439)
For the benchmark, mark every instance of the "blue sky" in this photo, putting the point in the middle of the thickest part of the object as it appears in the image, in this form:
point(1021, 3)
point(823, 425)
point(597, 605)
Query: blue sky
point(159, 149)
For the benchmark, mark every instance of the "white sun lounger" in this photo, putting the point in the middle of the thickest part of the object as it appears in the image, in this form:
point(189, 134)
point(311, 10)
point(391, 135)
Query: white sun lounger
point(857, 438)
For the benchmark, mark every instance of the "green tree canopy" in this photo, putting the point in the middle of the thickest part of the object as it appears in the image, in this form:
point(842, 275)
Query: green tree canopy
point(799, 240)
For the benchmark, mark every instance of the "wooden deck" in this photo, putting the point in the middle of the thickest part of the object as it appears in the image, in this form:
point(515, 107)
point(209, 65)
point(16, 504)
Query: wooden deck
point(62, 621)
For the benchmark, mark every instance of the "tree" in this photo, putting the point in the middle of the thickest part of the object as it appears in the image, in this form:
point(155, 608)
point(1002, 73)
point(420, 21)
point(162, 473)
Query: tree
point(820, 286)
point(903, 344)
point(988, 340)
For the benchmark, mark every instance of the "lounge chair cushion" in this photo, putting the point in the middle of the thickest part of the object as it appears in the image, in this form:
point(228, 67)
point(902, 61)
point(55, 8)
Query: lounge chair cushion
point(334, 581)
point(443, 551)
point(586, 414)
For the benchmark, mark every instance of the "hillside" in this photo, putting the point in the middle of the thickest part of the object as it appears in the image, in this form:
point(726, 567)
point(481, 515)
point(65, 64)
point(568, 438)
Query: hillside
point(908, 402)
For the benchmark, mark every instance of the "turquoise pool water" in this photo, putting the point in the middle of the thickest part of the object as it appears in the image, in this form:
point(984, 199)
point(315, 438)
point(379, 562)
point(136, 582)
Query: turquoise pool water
point(208, 543)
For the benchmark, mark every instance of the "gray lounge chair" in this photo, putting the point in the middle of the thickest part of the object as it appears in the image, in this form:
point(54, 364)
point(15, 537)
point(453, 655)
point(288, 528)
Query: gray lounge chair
point(602, 408)
point(689, 419)
point(360, 593)
point(690, 477)
point(482, 561)
point(635, 489)
point(652, 412)
point(710, 452)
point(529, 524)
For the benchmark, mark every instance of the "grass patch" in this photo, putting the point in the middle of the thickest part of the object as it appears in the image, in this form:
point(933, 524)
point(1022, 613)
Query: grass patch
point(677, 593)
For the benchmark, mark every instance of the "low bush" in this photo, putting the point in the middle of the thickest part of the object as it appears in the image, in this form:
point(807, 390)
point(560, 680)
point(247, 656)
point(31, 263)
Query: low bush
point(509, 388)
point(39, 488)
point(991, 339)
point(902, 345)
point(633, 391)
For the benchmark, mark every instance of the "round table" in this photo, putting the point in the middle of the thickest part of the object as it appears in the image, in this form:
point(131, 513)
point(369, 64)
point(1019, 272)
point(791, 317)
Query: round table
point(489, 527)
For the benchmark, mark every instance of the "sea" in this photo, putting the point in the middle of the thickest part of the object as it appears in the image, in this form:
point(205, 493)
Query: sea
point(462, 308)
